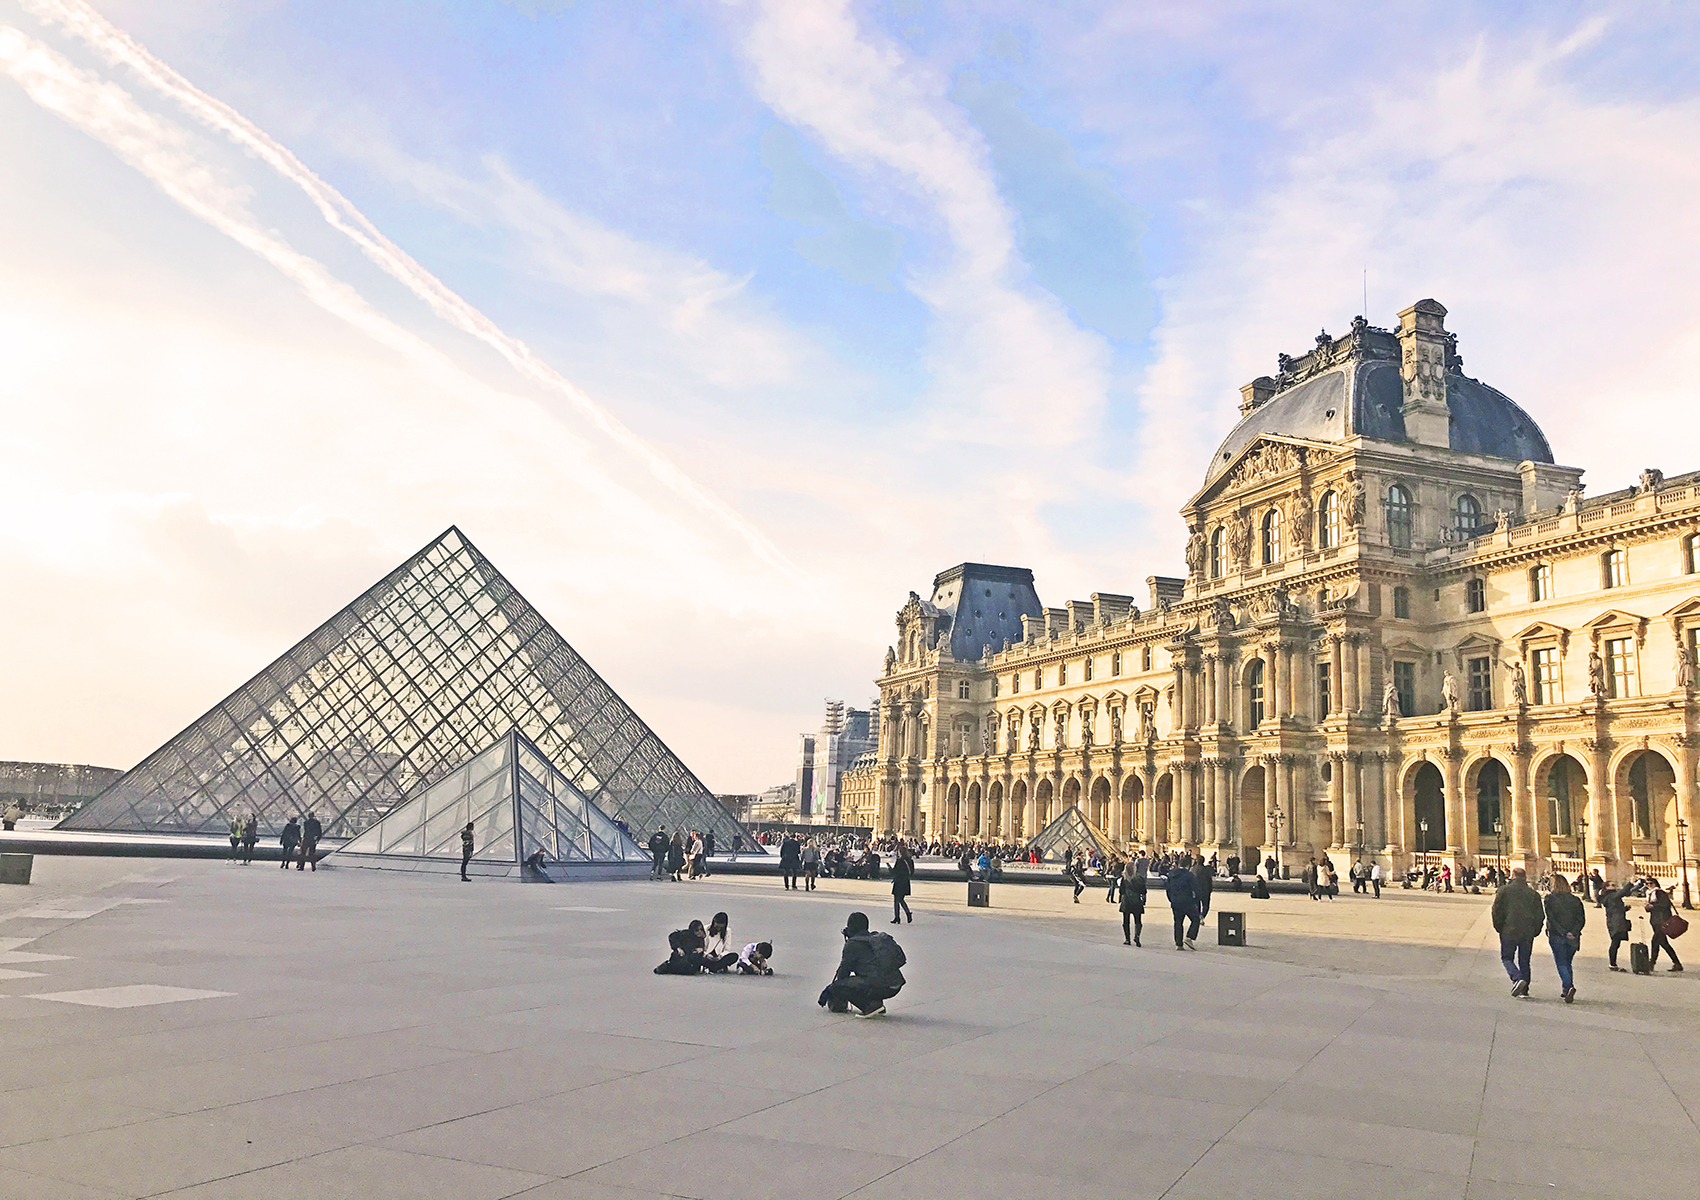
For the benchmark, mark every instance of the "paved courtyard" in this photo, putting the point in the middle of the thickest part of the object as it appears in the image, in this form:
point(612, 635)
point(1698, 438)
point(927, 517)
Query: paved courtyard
point(196, 1029)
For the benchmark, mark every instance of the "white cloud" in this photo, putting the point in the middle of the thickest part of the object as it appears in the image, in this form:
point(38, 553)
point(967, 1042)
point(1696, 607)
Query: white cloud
point(1007, 364)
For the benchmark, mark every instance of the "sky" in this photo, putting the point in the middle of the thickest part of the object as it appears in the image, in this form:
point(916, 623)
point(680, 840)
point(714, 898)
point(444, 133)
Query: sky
point(721, 326)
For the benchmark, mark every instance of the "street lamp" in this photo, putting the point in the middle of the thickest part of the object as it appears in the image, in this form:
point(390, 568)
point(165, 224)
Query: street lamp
point(1682, 859)
point(1422, 847)
point(1582, 854)
point(1499, 844)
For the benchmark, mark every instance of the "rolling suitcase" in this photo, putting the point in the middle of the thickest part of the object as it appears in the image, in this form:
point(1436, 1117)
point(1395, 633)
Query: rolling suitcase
point(1640, 958)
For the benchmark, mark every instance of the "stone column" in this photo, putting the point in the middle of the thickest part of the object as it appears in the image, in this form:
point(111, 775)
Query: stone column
point(1282, 768)
point(1225, 689)
point(1227, 803)
point(1349, 652)
point(1400, 824)
point(1209, 689)
point(1374, 799)
point(1687, 744)
point(1180, 692)
point(1527, 849)
point(1336, 799)
point(1275, 689)
point(1183, 832)
point(1354, 802)
point(1457, 839)
point(1603, 831)
point(1366, 693)
point(1148, 805)
point(1336, 694)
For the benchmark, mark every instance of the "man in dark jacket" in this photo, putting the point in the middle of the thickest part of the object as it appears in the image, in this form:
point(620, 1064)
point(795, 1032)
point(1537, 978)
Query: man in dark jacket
point(1203, 883)
point(467, 844)
point(790, 860)
point(1183, 902)
point(1518, 917)
point(659, 843)
point(869, 972)
point(311, 832)
point(288, 839)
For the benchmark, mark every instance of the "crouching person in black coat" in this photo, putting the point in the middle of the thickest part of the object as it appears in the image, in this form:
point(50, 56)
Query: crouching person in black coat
point(687, 945)
point(869, 973)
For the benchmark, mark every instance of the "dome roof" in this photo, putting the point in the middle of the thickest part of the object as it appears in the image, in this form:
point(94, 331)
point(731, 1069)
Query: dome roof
point(1352, 387)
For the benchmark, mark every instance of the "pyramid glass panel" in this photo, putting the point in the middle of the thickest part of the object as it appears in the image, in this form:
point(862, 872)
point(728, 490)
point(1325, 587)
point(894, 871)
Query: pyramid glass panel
point(518, 805)
point(418, 676)
point(1070, 831)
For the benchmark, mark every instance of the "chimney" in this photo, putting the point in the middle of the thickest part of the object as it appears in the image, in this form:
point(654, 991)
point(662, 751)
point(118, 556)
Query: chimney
point(1256, 394)
point(1424, 350)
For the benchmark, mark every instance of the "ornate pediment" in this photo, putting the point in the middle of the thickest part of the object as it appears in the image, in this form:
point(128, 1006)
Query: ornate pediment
point(1267, 460)
point(1615, 619)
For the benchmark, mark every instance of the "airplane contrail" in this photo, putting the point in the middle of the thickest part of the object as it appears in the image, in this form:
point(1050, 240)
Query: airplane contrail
point(117, 47)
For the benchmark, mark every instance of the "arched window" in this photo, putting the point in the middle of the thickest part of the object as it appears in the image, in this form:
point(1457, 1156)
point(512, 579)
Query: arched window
point(1254, 693)
point(1328, 521)
point(1272, 536)
point(1219, 553)
point(1398, 517)
point(1466, 517)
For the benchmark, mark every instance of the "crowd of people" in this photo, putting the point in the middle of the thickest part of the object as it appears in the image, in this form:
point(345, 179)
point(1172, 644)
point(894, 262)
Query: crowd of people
point(299, 840)
point(686, 852)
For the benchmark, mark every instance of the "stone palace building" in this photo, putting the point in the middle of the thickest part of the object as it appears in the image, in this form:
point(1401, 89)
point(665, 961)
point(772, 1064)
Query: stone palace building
point(1404, 633)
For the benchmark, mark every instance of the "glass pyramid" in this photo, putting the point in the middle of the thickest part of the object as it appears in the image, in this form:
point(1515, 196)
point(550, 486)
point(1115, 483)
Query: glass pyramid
point(437, 662)
point(1070, 831)
point(518, 805)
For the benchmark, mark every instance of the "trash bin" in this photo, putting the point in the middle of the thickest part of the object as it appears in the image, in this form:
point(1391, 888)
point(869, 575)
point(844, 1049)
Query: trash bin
point(979, 894)
point(1230, 928)
point(15, 868)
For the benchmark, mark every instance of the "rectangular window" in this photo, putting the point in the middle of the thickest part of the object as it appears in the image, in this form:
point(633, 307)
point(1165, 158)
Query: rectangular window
point(994, 687)
point(1405, 683)
point(1116, 663)
point(1546, 676)
point(1038, 678)
point(962, 689)
point(1254, 697)
point(1322, 692)
point(1145, 659)
point(1620, 668)
point(1086, 671)
point(1540, 583)
point(1062, 674)
point(1691, 554)
point(1475, 595)
point(1614, 569)
point(1480, 679)
point(1402, 603)
point(1015, 684)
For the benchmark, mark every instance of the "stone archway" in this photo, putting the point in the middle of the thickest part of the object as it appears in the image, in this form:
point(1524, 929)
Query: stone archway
point(971, 822)
point(1044, 797)
point(994, 811)
point(1645, 784)
point(1428, 788)
point(1487, 800)
point(1070, 795)
point(952, 822)
point(1560, 788)
point(1253, 820)
point(1133, 793)
point(1163, 825)
point(1018, 831)
point(1099, 804)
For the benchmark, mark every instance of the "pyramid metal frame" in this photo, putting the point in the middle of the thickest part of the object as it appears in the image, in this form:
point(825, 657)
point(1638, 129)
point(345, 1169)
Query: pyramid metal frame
point(1070, 830)
point(432, 664)
point(518, 805)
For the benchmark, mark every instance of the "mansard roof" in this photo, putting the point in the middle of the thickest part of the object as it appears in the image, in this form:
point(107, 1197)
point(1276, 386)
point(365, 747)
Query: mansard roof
point(1353, 387)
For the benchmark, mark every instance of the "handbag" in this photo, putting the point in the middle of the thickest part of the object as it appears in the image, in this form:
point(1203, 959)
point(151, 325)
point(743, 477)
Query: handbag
point(1674, 926)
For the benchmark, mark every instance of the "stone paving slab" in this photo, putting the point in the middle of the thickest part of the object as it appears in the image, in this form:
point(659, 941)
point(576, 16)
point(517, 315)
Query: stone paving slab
point(343, 1033)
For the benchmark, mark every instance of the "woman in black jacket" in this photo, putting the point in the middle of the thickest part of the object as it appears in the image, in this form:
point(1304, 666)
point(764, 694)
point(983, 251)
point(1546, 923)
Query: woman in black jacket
point(901, 869)
point(1617, 921)
point(1133, 899)
point(1659, 910)
point(1565, 919)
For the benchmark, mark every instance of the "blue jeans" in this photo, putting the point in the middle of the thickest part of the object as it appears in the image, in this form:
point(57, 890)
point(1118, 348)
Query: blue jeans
point(1563, 951)
point(1514, 953)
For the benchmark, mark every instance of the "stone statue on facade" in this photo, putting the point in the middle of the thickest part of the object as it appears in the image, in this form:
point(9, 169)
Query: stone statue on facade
point(1222, 613)
point(1281, 603)
point(1033, 735)
point(1062, 731)
point(1449, 692)
point(1147, 726)
point(1351, 501)
point(1115, 727)
point(1390, 706)
point(1086, 727)
point(1596, 674)
point(1684, 668)
point(1652, 479)
point(890, 660)
point(1303, 518)
point(1519, 684)
point(1195, 549)
point(1239, 537)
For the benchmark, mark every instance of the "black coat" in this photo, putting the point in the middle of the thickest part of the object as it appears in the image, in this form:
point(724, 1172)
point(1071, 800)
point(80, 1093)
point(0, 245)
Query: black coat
point(875, 957)
point(900, 876)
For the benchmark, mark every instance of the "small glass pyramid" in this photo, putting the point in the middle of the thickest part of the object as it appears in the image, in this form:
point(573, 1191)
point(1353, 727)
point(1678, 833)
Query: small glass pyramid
point(520, 807)
point(1070, 831)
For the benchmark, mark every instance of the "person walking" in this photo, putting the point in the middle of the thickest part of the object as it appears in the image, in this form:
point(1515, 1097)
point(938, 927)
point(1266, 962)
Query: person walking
point(1270, 866)
point(790, 859)
point(1113, 872)
point(1329, 883)
point(707, 849)
point(1313, 878)
point(1565, 919)
point(811, 864)
point(1375, 878)
point(1076, 870)
point(465, 851)
point(658, 843)
point(1517, 917)
point(1203, 883)
point(870, 971)
point(1617, 921)
point(310, 834)
point(1183, 902)
point(902, 868)
point(1659, 912)
point(235, 837)
point(250, 838)
point(1134, 881)
point(287, 839)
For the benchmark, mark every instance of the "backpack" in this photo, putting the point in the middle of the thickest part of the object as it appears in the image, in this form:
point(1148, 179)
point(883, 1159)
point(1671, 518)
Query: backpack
point(888, 956)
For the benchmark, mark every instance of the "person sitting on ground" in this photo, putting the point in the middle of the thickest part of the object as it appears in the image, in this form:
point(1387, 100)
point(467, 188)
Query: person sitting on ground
point(687, 946)
point(534, 860)
point(754, 959)
point(717, 955)
point(869, 972)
